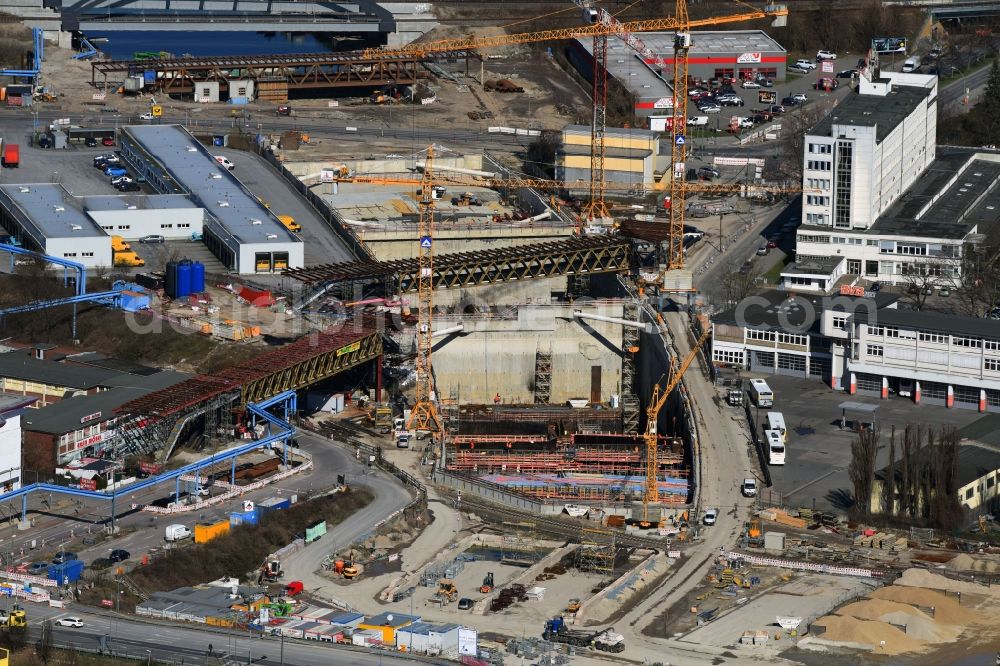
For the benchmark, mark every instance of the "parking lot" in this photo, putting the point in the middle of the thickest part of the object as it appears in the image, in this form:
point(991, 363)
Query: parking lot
point(819, 452)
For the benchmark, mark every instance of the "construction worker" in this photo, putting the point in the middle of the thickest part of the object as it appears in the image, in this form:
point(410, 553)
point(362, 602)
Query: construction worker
point(496, 399)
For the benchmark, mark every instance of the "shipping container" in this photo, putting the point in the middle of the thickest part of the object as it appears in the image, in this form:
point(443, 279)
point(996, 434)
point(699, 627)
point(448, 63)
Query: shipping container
point(67, 571)
point(244, 518)
point(273, 504)
point(205, 532)
point(315, 531)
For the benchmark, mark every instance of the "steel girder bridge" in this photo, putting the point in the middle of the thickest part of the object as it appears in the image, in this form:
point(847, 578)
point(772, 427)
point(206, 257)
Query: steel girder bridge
point(575, 256)
point(299, 71)
point(158, 419)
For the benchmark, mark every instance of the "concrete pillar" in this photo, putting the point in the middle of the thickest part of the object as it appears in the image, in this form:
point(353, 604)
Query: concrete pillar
point(885, 388)
point(916, 392)
point(982, 401)
point(950, 399)
point(853, 389)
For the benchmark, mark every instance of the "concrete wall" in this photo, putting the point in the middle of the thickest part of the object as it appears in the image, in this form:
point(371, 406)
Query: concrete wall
point(91, 251)
point(507, 293)
point(310, 171)
point(10, 452)
point(498, 356)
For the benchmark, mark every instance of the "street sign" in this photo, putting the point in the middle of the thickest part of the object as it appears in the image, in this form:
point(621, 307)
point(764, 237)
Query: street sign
point(767, 97)
point(157, 110)
point(826, 66)
point(680, 140)
point(425, 242)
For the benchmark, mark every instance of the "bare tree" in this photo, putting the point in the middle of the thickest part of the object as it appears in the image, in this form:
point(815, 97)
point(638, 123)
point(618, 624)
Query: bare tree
point(739, 281)
point(793, 131)
point(889, 484)
point(862, 468)
point(947, 507)
point(978, 287)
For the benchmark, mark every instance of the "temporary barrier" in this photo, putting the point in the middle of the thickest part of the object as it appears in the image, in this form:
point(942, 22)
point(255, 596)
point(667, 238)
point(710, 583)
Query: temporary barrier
point(804, 566)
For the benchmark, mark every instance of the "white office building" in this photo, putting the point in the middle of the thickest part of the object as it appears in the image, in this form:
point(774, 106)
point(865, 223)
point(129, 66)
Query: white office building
point(860, 158)
point(943, 359)
point(11, 408)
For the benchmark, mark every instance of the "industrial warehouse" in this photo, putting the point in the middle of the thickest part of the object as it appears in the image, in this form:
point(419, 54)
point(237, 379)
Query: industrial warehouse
point(458, 350)
point(736, 54)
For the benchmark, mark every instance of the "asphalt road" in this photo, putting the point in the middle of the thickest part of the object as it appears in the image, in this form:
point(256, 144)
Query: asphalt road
point(174, 642)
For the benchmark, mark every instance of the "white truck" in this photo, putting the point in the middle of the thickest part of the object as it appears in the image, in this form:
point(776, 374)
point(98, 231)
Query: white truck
point(176, 532)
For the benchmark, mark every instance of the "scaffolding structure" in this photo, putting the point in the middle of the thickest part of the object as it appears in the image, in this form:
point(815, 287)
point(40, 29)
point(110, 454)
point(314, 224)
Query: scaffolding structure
point(630, 345)
point(517, 545)
point(596, 552)
point(543, 375)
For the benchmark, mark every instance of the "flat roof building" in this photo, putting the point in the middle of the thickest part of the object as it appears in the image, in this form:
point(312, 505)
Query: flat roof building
point(238, 228)
point(737, 54)
point(47, 217)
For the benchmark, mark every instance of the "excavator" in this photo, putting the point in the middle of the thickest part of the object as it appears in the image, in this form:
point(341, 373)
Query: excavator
point(15, 618)
point(447, 590)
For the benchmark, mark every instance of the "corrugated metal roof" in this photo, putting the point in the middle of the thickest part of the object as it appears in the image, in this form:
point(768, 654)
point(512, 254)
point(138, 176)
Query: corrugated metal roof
point(104, 202)
point(21, 366)
point(211, 186)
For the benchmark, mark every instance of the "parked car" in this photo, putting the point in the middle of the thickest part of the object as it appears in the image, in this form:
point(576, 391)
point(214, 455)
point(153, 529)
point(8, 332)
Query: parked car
point(749, 84)
point(69, 622)
point(104, 161)
point(63, 556)
point(119, 555)
point(115, 170)
point(711, 515)
point(749, 487)
point(762, 250)
point(711, 171)
point(776, 109)
point(910, 65)
point(38, 568)
point(823, 54)
point(90, 142)
point(805, 64)
point(771, 244)
point(121, 179)
point(465, 603)
point(108, 141)
point(847, 74)
point(876, 287)
point(710, 108)
point(128, 186)
point(944, 292)
point(154, 238)
point(801, 97)
point(790, 101)
point(798, 69)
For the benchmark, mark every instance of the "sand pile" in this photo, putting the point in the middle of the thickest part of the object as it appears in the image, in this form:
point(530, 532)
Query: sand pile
point(965, 562)
point(946, 609)
point(918, 624)
point(923, 578)
point(869, 632)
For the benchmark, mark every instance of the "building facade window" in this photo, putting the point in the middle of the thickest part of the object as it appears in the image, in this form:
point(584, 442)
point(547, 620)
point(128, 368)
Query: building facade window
point(754, 334)
point(871, 267)
point(805, 238)
point(728, 356)
point(819, 219)
point(992, 364)
point(814, 200)
point(819, 165)
point(790, 339)
point(936, 338)
point(874, 350)
point(959, 341)
point(820, 148)
point(840, 322)
point(843, 178)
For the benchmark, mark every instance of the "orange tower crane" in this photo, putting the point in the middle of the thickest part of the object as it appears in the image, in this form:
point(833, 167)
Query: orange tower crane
point(657, 399)
point(424, 415)
point(603, 25)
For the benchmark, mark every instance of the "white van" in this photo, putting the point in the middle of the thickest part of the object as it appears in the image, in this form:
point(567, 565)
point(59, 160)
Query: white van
point(176, 532)
point(698, 121)
point(910, 65)
point(225, 162)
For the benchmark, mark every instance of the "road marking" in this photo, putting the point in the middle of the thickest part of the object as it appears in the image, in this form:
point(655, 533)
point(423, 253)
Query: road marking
point(809, 483)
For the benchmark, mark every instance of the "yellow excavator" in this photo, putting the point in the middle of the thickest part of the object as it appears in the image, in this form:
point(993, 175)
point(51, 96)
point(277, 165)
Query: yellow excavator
point(447, 590)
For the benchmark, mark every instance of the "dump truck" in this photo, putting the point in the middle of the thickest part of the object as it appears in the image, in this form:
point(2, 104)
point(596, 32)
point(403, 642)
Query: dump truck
point(290, 223)
point(605, 640)
point(128, 258)
point(447, 590)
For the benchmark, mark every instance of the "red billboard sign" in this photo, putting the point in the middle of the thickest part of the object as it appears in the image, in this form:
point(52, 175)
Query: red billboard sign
point(150, 468)
point(88, 484)
point(107, 603)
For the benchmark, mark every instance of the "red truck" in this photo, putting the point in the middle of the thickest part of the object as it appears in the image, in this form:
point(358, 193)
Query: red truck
point(11, 155)
point(293, 588)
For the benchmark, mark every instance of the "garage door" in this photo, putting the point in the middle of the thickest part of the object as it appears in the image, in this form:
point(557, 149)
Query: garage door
point(791, 364)
point(762, 361)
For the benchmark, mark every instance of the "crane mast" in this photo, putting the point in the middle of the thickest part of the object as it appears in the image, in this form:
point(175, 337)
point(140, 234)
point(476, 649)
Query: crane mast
point(424, 415)
point(678, 143)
